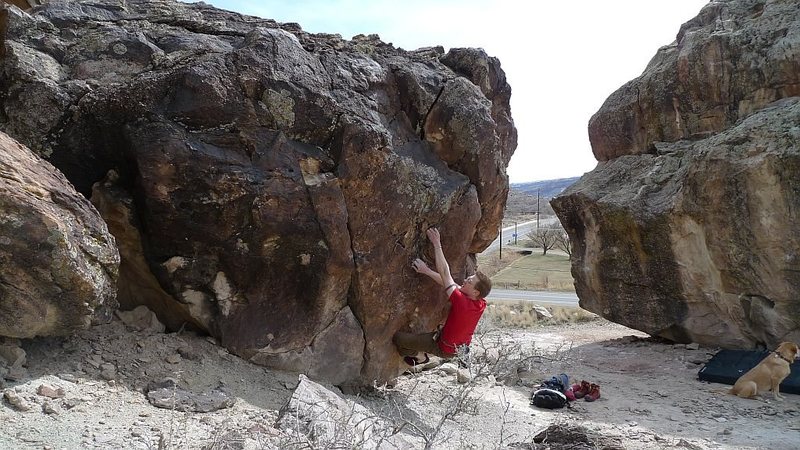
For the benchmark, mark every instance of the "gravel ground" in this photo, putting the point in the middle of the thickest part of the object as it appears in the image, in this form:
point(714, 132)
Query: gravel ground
point(91, 391)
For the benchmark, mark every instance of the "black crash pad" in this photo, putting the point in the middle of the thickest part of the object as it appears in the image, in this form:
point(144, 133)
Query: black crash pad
point(728, 365)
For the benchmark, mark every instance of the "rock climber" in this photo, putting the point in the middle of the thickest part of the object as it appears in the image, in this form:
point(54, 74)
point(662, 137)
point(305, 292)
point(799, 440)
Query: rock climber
point(467, 303)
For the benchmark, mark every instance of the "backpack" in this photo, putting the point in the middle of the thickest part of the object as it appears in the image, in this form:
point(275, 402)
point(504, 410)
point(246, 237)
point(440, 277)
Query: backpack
point(550, 394)
point(558, 383)
point(548, 398)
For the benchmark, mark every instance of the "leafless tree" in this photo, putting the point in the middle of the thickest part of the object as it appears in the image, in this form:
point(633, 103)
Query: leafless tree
point(545, 238)
point(563, 243)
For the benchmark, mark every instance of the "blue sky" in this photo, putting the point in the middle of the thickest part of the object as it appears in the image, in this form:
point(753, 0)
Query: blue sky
point(562, 59)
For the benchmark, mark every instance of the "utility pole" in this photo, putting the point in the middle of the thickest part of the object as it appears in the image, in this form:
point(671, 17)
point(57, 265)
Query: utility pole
point(537, 209)
point(501, 240)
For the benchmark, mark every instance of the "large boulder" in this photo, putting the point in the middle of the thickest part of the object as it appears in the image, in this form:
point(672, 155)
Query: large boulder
point(58, 262)
point(276, 184)
point(686, 228)
point(734, 58)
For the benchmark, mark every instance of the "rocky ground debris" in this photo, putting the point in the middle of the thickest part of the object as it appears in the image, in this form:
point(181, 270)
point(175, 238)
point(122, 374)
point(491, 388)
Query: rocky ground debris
point(94, 390)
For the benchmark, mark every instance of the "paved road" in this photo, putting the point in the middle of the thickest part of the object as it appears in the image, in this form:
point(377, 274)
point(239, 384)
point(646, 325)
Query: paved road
point(554, 298)
point(523, 228)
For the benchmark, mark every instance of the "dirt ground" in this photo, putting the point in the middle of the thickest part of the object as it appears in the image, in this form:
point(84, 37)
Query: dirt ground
point(88, 391)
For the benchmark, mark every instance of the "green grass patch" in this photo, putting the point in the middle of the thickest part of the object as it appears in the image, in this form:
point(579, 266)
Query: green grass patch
point(536, 272)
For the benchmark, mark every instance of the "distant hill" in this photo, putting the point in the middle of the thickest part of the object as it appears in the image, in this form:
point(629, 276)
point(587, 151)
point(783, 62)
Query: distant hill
point(522, 203)
point(546, 188)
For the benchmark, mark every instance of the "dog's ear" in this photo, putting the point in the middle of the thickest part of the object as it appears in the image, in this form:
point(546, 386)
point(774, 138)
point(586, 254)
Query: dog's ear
point(785, 347)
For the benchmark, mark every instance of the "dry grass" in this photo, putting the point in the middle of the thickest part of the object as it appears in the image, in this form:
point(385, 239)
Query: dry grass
point(519, 218)
point(536, 272)
point(491, 264)
point(521, 269)
point(524, 315)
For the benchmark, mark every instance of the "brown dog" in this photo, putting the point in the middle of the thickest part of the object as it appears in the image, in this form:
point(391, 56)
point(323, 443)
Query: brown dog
point(768, 374)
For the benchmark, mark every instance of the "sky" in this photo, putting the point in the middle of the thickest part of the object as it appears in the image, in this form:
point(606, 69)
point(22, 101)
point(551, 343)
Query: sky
point(561, 58)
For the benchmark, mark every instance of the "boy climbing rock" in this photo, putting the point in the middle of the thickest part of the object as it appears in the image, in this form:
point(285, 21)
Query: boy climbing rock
point(466, 307)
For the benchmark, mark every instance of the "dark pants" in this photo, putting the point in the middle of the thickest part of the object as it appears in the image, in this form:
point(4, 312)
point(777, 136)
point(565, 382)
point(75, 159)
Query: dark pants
point(409, 344)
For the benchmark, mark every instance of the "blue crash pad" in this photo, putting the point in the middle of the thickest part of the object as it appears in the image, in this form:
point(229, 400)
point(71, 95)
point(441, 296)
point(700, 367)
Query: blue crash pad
point(728, 365)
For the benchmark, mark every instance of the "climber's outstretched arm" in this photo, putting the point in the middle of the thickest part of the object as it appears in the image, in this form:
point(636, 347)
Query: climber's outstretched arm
point(420, 266)
point(441, 263)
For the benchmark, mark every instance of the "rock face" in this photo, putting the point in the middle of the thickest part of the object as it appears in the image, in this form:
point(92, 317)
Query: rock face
point(137, 288)
point(687, 227)
point(25, 4)
point(734, 58)
point(275, 184)
point(58, 262)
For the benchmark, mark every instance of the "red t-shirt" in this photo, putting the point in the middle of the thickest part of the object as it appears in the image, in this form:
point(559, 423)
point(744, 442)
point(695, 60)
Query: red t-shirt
point(461, 321)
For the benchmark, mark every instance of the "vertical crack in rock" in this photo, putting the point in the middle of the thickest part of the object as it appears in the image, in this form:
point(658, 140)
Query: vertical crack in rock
point(433, 105)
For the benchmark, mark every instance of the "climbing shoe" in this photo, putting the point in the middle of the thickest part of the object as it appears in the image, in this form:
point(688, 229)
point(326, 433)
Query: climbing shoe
point(415, 361)
point(580, 390)
point(593, 394)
